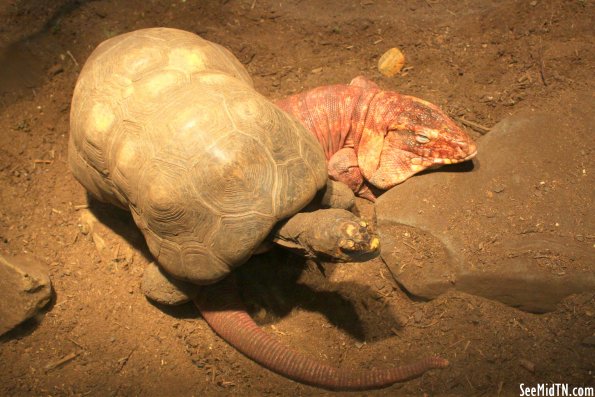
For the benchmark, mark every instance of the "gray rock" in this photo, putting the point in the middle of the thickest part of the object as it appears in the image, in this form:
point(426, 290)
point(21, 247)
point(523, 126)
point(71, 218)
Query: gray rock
point(508, 229)
point(25, 288)
point(162, 288)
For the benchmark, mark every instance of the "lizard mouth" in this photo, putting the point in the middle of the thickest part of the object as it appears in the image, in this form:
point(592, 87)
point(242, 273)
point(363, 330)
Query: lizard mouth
point(469, 157)
point(417, 162)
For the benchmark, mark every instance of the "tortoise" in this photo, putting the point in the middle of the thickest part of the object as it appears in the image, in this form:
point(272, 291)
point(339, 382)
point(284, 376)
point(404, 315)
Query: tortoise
point(168, 126)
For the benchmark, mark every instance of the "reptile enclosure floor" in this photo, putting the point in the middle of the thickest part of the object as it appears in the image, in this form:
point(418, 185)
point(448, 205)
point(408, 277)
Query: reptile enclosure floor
point(482, 61)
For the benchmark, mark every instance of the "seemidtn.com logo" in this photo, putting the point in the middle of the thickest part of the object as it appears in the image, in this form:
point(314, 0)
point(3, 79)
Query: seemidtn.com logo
point(556, 390)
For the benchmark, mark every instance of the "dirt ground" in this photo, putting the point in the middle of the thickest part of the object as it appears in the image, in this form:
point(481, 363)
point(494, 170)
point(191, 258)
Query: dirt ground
point(480, 60)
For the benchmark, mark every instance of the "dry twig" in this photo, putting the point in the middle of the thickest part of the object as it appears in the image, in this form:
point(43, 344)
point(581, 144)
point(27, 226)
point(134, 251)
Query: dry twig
point(73, 58)
point(482, 129)
point(67, 358)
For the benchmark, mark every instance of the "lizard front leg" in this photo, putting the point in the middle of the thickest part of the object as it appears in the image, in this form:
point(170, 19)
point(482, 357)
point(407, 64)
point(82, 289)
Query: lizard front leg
point(343, 167)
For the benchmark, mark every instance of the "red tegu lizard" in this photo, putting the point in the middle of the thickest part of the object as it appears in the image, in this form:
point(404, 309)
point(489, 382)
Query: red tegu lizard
point(369, 136)
point(375, 136)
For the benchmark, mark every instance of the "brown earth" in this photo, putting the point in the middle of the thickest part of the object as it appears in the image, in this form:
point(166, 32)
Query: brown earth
point(482, 61)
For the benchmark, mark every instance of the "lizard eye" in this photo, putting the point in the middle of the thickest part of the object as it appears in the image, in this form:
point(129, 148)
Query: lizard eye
point(421, 138)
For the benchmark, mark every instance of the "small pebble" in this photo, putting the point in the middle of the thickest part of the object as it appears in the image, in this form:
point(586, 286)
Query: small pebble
point(261, 314)
point(391, 62)
point(418, 316)
point(56, 69)
point(498, 189)
point(528, 365)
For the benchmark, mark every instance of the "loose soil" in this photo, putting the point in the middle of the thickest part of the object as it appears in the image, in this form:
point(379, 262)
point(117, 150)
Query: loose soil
point(481, 61)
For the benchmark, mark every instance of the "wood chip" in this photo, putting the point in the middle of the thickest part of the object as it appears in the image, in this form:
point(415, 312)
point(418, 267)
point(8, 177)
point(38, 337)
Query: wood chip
point(67, 358)
point(528, 365)
point(476, 126)
point(73, 58)
point(99, 242)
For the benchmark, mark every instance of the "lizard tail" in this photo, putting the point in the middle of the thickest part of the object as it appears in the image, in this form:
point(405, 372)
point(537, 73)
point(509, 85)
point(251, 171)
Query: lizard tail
point(221, 306)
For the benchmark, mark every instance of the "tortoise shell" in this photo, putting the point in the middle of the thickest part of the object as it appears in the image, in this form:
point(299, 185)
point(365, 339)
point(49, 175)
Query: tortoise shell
point(168, 125)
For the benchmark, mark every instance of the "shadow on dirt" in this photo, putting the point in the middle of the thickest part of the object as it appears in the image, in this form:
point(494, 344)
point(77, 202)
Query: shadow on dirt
point(272, 285)
point(275, 283)
point(121, 223)
point(22, 330)
point(466, 166)
point(21, 69)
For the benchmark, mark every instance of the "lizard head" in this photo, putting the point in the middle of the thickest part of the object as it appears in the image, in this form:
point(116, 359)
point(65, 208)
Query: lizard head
point(409, 135)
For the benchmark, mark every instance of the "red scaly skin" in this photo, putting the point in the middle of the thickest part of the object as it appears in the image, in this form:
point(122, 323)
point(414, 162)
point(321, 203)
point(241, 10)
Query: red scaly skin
point(375, 136)
point(223, 310)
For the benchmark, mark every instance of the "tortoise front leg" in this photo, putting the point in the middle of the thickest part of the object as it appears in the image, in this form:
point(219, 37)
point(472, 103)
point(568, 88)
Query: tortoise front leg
point(333, 195)
point(330, 234)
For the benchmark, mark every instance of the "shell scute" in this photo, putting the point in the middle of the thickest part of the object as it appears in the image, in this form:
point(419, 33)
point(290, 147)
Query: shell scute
point(235, 176)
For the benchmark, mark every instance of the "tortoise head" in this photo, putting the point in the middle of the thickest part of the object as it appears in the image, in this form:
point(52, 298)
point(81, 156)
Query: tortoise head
point(407, 135)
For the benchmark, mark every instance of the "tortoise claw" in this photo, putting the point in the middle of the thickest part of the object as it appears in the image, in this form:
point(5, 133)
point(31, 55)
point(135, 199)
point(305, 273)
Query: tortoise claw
point(347, 245)
point(358, 241)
